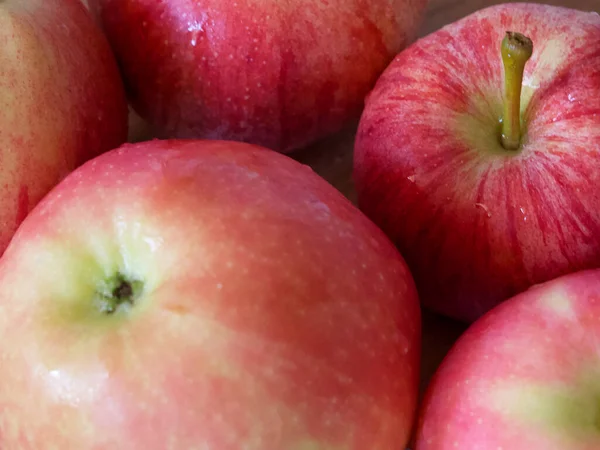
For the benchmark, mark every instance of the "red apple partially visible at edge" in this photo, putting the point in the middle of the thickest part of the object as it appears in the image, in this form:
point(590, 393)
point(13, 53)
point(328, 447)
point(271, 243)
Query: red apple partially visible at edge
point(276, 73)
point(523, 377)
point(476, 222)
point(185, 294)
point(61, 100)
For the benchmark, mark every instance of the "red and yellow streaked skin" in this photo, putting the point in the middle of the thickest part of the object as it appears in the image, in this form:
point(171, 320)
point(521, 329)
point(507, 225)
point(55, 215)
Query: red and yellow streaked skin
point(477, 223)
point(523, 377)
point(282, 74)
point(62, 101)
point(274, 314)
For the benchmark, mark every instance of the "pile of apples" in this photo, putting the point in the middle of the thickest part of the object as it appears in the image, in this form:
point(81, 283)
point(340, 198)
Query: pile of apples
point(205, 290)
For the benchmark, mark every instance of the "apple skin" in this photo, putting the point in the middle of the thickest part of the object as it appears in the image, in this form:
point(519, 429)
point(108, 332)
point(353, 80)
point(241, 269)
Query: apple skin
point(273, 315)
point(62, 100)
point(476, 223)
point(522, 377)
point(267, 72)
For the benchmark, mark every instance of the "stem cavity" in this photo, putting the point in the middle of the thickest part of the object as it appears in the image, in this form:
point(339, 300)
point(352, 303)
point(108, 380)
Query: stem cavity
point(117, 292)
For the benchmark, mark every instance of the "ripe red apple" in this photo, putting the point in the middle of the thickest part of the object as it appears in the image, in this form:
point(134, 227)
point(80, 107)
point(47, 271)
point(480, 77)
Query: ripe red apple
point(276, 73)
point(183, 294)
point(522, 377)
point(61, 100)
point(477, 217)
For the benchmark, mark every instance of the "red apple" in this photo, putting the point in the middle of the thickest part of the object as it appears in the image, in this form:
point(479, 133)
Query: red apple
point(524, 376)
point(62, 100)
point(277, 73)
point(183, 294)
point(477, 219)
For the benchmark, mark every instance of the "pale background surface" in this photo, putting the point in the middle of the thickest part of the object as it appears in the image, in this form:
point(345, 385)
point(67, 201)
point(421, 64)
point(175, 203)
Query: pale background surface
point(332, 159)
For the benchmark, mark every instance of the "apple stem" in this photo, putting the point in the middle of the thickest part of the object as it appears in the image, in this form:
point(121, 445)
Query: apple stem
point(516, 51)
point(116, 292)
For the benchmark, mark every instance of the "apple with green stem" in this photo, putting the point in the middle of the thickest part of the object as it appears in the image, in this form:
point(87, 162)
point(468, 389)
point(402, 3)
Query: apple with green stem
point(525, 376)
point(183, 294)
point(282, 74)
point(478, 153)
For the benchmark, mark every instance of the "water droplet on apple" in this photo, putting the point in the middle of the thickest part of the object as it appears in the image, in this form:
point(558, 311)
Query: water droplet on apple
point(411, 178)
point(154, 243)
point(484, 208)
point(531, 83)
point(196, 25)
point(572, 98)
point(524, 213)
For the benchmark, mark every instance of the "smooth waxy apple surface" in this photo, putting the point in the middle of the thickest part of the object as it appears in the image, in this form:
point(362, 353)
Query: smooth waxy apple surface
point(61, 100)
point(478, 222)
point(204, 295)
point(523, 377)
point(278, 74)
